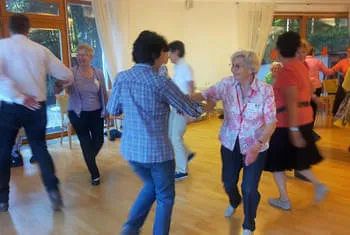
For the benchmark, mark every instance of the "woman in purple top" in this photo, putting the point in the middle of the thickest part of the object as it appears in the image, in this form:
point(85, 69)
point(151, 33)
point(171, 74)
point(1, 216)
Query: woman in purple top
point(86, 108)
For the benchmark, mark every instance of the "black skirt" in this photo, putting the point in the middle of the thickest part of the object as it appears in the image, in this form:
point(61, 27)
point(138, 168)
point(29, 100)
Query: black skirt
point(282, 155)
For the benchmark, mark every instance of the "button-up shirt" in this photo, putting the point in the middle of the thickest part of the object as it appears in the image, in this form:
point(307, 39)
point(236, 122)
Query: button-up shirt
point(243, 120)
point(24, 66)
point(144, 98)
point(316, 66)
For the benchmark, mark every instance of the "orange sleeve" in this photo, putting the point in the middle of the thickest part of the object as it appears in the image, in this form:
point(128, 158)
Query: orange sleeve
point(338, 66)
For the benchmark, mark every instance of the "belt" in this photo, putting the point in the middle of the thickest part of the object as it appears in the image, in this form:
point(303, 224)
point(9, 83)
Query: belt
point(300, 105)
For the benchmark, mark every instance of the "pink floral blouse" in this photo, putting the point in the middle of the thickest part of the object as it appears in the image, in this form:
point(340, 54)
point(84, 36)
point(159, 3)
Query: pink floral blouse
point(245, 120)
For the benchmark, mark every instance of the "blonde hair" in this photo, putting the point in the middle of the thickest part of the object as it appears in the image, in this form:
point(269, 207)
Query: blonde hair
point(305, 45)
point(250, 58)
point(274, 64)
point(87, 48)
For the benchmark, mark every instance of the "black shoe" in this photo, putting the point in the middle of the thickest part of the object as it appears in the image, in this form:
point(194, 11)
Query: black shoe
point(4, 206)
point(190, 157)
point(16, 161)
point(56, 200)
point(221, 116)
point(95, 181)
point(315, 136)
point(300, 176)
point(33, 160)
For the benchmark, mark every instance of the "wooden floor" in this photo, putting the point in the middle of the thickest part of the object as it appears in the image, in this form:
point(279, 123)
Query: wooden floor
point(200, 200)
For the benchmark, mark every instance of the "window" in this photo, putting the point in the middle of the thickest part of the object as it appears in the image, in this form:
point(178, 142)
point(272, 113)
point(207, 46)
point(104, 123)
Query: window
point(51, 39)
point(279, 26)
point(82, 29)
point(330, 33)
point(32, 7)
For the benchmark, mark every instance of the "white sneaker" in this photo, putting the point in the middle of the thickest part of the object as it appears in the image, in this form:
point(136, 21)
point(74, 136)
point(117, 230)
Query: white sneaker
point(229, 211)
point(321, 191)
point(247, 232)
point(276, 202)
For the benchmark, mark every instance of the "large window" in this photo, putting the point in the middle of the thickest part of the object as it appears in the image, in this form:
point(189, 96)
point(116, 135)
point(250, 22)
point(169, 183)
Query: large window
point(32, 7)
point(330, 35)
point(50, 38)
point(82, 29)
point(279, 26)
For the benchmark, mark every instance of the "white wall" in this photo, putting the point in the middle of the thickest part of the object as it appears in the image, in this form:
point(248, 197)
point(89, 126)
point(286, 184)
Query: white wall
point(206, 29)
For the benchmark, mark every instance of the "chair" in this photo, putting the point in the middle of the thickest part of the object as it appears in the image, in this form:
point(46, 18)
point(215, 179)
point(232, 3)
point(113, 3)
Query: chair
point(112, 119)
point(62, 101)
point(330, 87)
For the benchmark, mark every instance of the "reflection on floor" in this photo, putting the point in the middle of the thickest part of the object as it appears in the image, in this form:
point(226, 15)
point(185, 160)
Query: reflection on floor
point(200, 201)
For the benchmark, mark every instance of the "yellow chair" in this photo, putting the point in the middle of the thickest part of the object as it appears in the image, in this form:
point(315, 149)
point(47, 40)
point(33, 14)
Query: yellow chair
point(330, 87)
point(62, 101)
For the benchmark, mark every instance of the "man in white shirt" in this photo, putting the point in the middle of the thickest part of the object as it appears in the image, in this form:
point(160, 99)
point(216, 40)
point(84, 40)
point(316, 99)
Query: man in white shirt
point(183, 78)
point(24, 66)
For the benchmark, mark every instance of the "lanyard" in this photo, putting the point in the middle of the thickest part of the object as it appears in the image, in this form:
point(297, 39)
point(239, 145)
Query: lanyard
point(242, 108)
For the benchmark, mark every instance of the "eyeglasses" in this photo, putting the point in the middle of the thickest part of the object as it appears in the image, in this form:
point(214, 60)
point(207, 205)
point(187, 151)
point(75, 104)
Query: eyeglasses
point(236, 66)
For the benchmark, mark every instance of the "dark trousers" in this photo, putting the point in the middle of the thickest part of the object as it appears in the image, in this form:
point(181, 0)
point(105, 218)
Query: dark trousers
point(12, 118)
point(89, 128)
point(313, 104)
point(232, 163)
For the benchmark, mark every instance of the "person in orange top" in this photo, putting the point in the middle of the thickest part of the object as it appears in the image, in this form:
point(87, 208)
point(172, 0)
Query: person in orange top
point(292, 146)
point(344, 64)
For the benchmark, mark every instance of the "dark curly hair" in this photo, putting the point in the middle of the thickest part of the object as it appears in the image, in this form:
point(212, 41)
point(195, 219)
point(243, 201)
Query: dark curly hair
point(148, 46)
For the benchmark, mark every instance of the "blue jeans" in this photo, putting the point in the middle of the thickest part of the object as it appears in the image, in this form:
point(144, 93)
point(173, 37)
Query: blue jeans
point(232, 163)
point(159, 185)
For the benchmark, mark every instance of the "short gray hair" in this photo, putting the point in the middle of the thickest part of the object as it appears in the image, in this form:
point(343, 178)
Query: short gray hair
point(250, 58)
point(87, 48)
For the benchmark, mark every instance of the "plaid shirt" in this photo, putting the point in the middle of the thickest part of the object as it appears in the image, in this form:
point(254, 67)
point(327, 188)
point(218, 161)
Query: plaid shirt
point(144, 98)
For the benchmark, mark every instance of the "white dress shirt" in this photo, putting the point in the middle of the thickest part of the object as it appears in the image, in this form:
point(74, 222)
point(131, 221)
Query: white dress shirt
point(24, 65)
point(183, 75)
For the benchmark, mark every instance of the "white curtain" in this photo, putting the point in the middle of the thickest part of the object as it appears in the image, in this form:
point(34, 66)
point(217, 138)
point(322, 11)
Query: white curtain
point(252, 25)
point(112, 20)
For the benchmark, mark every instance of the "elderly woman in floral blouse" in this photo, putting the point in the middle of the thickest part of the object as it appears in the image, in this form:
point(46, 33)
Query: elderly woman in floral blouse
point(250, 119)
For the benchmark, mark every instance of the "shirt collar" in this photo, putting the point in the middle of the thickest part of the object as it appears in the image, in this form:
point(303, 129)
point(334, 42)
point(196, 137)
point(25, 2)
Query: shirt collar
point(140, 65)
point(19, 36)
point(254, 85)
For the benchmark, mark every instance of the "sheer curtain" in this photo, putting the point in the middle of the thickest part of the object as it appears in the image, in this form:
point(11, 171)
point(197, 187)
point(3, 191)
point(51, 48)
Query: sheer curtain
point(112, 20)
point(252, 25)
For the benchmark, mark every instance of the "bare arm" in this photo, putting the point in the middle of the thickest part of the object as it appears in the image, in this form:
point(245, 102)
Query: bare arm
point(291, 96)
point(190, 86)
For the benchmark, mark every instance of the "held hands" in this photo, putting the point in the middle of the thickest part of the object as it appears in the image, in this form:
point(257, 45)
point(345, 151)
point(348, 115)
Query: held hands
point(209, 106)
point(30, 103)
point(59, 86)
point(297, 139)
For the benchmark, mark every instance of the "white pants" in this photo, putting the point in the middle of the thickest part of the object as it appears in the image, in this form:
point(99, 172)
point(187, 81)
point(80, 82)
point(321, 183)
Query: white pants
point(177, 128)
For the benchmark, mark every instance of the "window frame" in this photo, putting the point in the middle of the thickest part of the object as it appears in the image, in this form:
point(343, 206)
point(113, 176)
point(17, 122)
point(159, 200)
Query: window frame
point(61, 22)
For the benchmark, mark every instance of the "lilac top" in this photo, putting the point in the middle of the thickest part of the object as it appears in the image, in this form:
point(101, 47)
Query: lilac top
point(88, 90)
point(76, 100)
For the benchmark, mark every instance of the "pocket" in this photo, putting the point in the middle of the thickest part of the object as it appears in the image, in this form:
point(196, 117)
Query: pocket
point(254, 108)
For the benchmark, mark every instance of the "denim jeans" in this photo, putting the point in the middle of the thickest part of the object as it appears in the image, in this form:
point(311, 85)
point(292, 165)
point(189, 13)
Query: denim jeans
point(158, 186)
point(232, 163)
point(89, 128)
point(12, 118)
